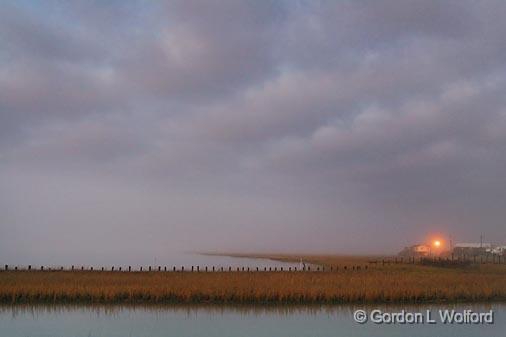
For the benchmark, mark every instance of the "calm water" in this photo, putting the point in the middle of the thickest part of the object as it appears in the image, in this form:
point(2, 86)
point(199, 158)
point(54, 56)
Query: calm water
point(174, 259)
point(182, 321)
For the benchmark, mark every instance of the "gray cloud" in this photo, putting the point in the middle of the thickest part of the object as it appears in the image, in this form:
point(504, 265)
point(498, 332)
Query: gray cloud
point(281, 126)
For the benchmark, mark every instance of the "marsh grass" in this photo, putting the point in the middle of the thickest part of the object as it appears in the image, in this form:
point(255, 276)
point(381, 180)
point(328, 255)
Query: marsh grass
point(399, 283)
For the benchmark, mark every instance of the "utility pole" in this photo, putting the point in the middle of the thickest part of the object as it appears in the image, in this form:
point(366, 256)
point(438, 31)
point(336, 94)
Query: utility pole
point(481, 240)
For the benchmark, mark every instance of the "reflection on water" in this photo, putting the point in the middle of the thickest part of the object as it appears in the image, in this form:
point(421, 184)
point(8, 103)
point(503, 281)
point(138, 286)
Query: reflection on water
point(215, 320)
point(108, 311)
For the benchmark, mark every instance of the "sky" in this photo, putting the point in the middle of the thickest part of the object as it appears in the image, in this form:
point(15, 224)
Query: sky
point(135, 129)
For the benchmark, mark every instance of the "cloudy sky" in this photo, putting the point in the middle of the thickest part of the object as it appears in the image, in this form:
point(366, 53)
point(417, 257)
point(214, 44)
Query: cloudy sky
point(136, 129)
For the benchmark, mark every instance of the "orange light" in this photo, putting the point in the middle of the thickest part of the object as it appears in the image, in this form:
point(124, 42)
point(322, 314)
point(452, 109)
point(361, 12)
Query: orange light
point(437, 243)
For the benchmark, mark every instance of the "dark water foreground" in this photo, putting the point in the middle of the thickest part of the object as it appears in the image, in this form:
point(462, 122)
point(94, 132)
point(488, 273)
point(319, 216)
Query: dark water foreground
point(220, 321)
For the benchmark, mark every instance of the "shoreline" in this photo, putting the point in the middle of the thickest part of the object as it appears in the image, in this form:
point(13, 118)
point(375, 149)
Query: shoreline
point(260, 304)
point(243, 306)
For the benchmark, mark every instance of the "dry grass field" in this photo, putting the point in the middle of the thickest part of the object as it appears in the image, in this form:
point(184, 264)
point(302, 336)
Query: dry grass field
point(396, 283)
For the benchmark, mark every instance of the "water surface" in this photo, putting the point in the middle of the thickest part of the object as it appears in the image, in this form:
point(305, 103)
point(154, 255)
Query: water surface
point(220, 321)
point(175, 259)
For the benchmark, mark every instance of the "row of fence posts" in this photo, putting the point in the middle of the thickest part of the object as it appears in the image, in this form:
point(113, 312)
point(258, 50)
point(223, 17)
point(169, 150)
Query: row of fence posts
point(491, 258)
point(197, 269)
point(494, 259)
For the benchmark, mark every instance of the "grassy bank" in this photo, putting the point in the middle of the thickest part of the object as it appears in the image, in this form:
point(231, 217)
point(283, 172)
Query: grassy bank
point(393, 284)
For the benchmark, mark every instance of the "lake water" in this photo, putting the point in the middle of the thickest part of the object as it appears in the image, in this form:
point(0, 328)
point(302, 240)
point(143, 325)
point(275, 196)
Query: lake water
point(220, 321)
point(218, 261)
point(175, 259)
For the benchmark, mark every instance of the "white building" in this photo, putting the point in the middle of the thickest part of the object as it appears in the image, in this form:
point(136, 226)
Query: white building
point(416, 250)
point(471, 249)
point(473, 245)
point(499, 250)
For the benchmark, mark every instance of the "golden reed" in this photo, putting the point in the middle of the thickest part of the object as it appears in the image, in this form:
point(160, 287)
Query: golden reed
point(393, 284)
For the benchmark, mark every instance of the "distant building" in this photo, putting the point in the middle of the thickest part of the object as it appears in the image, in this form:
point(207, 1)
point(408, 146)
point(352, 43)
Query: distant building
point(472, 249)
point(499, 250)
point(415, 251)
